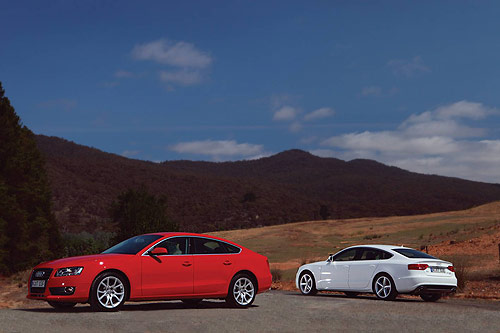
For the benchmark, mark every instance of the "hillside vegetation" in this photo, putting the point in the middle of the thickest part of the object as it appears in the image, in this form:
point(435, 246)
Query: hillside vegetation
point(469, 238)
point(28, 229)
point(203, 196)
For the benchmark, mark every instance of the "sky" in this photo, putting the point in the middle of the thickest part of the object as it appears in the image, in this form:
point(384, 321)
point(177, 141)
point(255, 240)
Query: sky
point(414, 84)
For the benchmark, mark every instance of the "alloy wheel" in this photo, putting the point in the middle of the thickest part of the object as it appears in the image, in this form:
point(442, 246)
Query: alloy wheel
point(110, 292)
point(306, 283)
point(243, 291)
point(383, 287)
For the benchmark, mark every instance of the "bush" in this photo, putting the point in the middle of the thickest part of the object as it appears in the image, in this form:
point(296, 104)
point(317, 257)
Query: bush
point(374, 236)
point(462, 270)
point(277, 274)
point(84, 243)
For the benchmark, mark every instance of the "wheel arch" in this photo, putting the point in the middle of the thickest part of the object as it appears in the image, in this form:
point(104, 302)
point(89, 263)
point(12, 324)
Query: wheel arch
point(112, 270)
point(375, 276)
point(251, 274)
point(310, 271)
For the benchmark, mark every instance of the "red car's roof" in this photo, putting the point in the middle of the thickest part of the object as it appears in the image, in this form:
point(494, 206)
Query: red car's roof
point(191, 234)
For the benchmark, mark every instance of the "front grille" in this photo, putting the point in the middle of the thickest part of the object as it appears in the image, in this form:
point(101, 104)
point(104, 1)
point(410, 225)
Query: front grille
point(40, 274)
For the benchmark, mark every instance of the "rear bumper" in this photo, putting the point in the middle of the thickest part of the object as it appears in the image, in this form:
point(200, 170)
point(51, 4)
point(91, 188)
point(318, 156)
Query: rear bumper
point(434, 289)
point(265, 283)
point(416, 283)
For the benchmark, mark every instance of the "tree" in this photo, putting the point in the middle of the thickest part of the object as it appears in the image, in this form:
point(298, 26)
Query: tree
point(139, 212)
point(324, 212)
point(28, 230)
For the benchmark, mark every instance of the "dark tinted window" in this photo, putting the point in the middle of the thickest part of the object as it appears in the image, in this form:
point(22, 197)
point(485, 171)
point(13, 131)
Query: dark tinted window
point(208, 246)
point(133, 245)
point(231, 248)
point(175, 245)
point(346, 255)
point(373, 254)
point(411, 253)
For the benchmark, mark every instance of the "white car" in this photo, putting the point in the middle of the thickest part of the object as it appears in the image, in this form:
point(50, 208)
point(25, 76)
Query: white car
point(386, 270)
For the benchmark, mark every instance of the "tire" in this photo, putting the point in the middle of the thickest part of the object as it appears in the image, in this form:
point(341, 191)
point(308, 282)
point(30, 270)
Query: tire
point(192, 301)
point(109, 291)
point(430, 297)
point(384, 288)
point(307, 284)
point(61, 305)
point(242, 291)
point(351, 294)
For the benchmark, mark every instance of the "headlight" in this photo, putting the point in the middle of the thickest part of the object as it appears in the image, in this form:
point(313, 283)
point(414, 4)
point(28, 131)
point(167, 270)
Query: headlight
point(66, 271)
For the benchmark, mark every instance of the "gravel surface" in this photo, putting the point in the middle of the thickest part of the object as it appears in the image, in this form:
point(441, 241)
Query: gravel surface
point(272, 311)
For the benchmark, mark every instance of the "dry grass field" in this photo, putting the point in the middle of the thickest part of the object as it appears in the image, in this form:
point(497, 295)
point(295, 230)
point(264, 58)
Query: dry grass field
point(469, 238)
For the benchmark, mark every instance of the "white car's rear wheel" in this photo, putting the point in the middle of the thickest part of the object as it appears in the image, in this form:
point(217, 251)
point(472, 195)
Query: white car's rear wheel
point(307, 284)
point(384, 288)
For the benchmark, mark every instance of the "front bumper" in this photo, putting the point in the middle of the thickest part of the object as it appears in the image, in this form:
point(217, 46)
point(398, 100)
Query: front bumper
point(64, 288)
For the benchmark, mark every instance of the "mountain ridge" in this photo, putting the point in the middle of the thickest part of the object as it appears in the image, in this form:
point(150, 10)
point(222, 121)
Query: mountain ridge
point(290, 186)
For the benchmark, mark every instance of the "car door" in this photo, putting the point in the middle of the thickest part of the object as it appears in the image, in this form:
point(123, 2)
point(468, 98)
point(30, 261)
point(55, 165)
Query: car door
point(335, 274)
point(170, 274)
point(213, 266)
point(361, 270)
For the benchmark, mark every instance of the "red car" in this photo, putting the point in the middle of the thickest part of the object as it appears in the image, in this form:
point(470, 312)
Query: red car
point(157, 266)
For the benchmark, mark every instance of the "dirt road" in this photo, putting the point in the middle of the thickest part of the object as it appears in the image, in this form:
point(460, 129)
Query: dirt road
point(273, 311)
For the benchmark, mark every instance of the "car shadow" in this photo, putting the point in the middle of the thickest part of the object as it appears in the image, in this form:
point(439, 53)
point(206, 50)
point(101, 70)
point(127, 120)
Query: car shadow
point(362, 296)
point(150, 306)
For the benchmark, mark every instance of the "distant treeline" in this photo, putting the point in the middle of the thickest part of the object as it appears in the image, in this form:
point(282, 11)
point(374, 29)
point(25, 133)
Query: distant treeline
point(204, 196)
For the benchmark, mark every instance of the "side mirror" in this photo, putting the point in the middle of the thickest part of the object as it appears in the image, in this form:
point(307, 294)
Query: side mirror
point(330, 258)
point(158, 251)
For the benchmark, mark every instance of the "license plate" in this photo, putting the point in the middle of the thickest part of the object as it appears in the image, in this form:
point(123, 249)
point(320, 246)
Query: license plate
point(437, 269)
point(38, 283)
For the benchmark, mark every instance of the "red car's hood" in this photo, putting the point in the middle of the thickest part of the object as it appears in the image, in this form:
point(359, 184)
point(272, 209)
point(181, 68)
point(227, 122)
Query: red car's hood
point(80, 260)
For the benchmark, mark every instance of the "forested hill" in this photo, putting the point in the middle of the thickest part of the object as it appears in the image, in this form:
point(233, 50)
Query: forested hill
point(290, 186)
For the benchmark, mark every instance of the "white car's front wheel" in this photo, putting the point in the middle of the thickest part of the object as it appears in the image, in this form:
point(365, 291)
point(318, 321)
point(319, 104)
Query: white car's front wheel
point(384, 288)
point(307, 284)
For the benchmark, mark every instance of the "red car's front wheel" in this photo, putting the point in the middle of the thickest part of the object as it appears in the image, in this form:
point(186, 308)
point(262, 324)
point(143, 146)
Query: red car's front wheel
point(109, 292)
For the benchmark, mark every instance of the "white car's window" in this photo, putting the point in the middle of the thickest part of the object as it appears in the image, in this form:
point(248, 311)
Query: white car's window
point(411, 253)
point(374, 254)
point(347, 255)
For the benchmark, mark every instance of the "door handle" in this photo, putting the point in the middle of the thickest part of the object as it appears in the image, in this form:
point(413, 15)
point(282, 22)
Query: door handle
point(227, 262)
point(186, 263)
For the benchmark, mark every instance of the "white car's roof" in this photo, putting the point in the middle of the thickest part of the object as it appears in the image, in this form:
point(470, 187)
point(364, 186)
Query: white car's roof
point(381, 246)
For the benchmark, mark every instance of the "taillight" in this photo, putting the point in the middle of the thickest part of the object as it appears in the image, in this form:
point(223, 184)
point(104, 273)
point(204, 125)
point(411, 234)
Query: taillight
point(451, 268)
point(418, 267)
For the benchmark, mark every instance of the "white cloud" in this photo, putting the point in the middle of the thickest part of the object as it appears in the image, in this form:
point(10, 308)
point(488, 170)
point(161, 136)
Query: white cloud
point(181, 77)
point(129, 153)
point(285, 113)
point(408, 67)
point(121, 74)
point(464, 109)
point(219, 148)
point(323, 152)
point(371, 91)
point(319, 114)
point(177, 54)
point(437, 141)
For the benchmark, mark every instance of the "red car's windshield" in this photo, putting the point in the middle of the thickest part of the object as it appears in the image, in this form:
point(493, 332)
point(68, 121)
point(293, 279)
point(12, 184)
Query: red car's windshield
point(133, 245)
